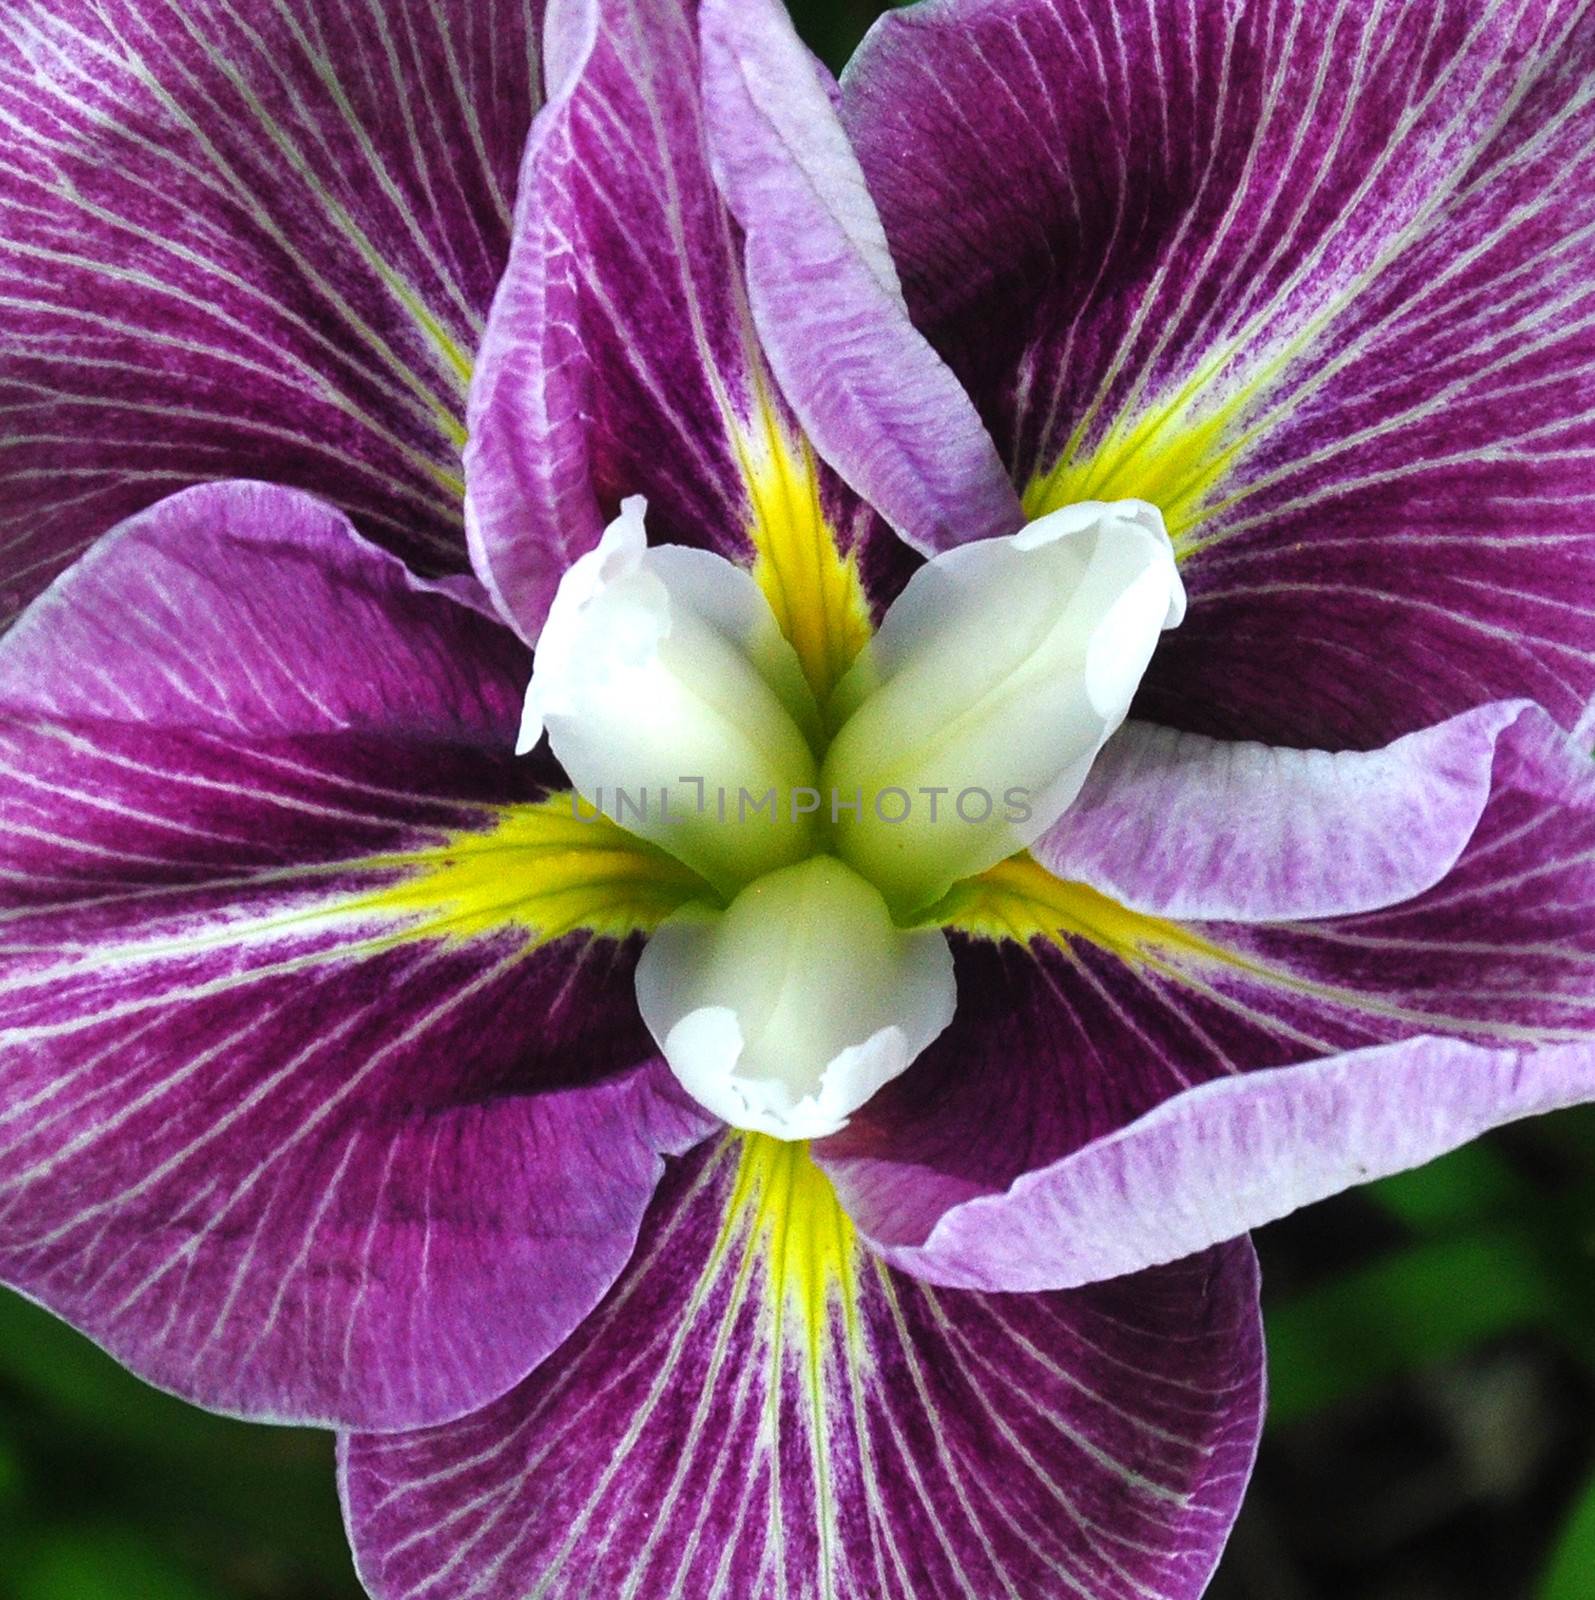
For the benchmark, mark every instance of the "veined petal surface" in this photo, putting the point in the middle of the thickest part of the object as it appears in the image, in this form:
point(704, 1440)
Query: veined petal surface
point(879, 403)
point(761, 1409)
point(621, 357)
point(245, 239)
point(308, 1109)
point(1119, 1089)
point(1317, 281)
point(1181, 825)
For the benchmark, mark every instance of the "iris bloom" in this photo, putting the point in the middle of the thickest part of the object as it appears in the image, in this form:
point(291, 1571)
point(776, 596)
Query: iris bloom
point(1233, 357)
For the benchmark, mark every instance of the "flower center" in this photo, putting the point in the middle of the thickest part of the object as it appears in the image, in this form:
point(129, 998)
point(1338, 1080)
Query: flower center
point(963, 731)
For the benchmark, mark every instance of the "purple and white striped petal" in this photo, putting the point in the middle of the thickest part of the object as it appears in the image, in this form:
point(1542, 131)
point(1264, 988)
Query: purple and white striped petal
point(1318, 281)
point(1129, 1089)
point(1180, 825)
point(762, 1409)
point(248, 240)
point(619, 358)
point(875, 399)
point(301, 1114)
point(623, 355)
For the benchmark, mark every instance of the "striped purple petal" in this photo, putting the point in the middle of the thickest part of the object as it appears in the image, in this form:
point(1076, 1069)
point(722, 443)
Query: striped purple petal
point(248, 240)
point(1181, 825)
point(648, 339)
point(878, 403)
point(1317, 280)
point(761, 1409)
point(1127, 1089)
point(620, 358)
point(306, 1110)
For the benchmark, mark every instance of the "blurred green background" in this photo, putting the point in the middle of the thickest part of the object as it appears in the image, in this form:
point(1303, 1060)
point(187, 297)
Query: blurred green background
point(1432, 1432)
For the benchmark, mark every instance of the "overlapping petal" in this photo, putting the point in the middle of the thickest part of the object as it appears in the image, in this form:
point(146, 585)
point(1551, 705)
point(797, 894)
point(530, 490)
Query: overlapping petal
point(248, 240)
point(626, 353)
point(761, 1409)
point(1119, 1089)
point(620, 358)
point(875, 399)
point(1316, 280)
point(1181, 825)
point(306, 1111)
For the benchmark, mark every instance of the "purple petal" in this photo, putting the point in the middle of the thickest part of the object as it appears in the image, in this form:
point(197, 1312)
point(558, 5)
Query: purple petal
point(1225, 1158)
point(621, 356)
point(1180, 825)
point(618, 359)
point(760, 1409)
point(247, 241)
point(297, 1117)
point(876, 400)
point(1319, 282)
point(1127, 1089)
point(530, 506)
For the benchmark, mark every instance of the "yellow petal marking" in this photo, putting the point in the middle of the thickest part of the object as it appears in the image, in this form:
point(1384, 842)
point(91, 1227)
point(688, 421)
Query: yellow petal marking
point(782, 1200)
point(1174, 455)
point(540, 868)
point(813, 588)
point(784, 1208)
point(1019, 899)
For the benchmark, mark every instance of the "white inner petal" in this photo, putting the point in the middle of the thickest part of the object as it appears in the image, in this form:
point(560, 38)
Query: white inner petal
point(666, 689)
point(997, 676)
point(788, 1011)
point(964, 731)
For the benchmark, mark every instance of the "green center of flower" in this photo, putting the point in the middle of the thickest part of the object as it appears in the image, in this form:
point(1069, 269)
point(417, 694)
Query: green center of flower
point(963, 731)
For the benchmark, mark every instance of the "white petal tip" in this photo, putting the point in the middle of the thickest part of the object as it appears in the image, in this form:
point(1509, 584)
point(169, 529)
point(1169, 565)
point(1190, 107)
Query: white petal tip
point(705, 1048)
point(1083, 514)
point(1177, 601)
point(790, 1010)
point(531, 729)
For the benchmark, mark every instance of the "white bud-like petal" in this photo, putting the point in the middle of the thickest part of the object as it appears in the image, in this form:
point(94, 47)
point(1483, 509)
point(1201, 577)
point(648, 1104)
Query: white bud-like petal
point(668, 693)
point(995, 679)
point(788, 1011)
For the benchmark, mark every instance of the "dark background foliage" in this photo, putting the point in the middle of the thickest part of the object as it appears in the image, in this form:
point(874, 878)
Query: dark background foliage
point(1431, 1436)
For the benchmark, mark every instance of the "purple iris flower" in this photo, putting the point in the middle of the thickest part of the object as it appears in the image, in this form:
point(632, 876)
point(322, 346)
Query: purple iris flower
point(818, 1202)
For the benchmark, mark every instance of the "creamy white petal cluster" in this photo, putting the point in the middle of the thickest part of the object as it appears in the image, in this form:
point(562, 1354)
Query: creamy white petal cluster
point(656, 667)
point(966, 728)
